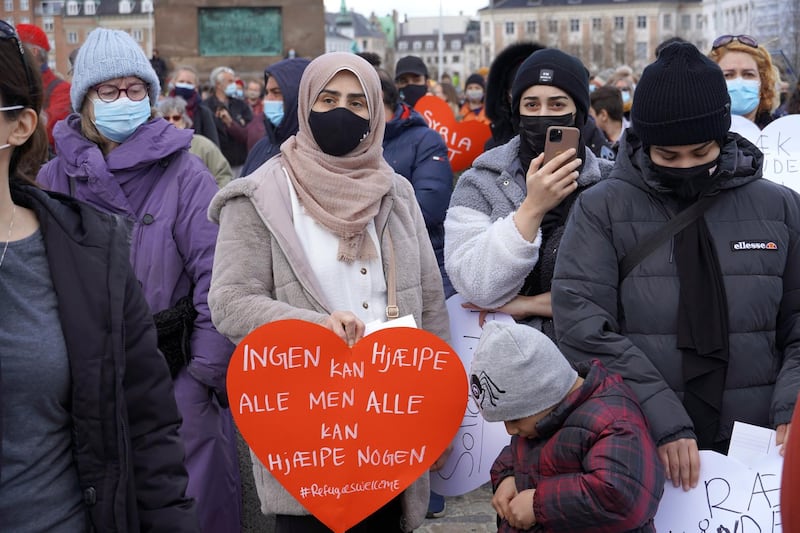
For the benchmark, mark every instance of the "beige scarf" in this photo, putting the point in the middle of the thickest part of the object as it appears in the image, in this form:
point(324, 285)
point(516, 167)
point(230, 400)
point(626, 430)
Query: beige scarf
point(343, 194)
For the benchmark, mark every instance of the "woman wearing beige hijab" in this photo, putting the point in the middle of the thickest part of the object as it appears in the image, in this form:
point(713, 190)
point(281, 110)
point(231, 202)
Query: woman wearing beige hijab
point(310, 235)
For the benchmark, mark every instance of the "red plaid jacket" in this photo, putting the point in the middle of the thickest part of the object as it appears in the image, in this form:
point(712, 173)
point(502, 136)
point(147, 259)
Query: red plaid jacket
point(594, 466)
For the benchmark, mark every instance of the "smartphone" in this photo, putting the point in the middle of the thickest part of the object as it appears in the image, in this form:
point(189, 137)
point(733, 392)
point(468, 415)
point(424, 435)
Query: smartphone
point(560, 139)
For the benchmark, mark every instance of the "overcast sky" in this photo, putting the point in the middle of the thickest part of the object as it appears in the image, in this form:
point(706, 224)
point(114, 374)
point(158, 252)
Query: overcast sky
point(412, 8)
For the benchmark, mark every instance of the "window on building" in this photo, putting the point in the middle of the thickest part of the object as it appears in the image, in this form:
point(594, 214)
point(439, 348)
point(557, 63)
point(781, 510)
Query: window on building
point(699, 22)
point(72, 7)
point(510, 28)
point(125, 6)
point(619, 53)
point(138, 35)
point(597, 23)
point(597, 54)
point(24, 5)
point(641, 51)
point(574, 25)
point(666, 22)
point(147, 6)
point(619, 23)
point(430, 45)
point(456, 59)
point(486, 28)
point(686, 22)
point(72, 37)
point(552, 26)
point(402, 45)
point(641, 21)
point(8, 5)
point(530, 26)
point(444, 60)
point(48, 24)
point(25, 20)
point(417, 46)
point(455, 44)
point(89, 7)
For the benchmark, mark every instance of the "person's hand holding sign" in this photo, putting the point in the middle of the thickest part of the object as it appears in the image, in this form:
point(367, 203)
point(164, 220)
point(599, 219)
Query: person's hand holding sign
point(782, 436)
point(681, 462)
point(346, 325)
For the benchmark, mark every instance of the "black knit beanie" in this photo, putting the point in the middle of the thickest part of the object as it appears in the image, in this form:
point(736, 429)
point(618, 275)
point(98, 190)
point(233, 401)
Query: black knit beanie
point(553, 67)
point(681, 99)
point(477, 79)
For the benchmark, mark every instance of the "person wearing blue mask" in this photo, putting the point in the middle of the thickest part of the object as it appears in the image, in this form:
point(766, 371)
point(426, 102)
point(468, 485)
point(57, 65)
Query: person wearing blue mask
point(750, 75)
point(116, 155)
point(231, 116)
point(280, 110)
point(184, 79)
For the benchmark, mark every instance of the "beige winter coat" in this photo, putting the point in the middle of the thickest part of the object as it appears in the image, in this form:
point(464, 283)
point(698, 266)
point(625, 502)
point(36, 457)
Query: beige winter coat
point(261, 274)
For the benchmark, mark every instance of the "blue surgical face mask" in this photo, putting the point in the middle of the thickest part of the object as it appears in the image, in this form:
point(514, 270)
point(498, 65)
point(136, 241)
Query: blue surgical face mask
point(230, 90)
point(118, 120)
point(744, 95)
point(626, 96)
point(273, 110)
point(184, 90)
point(239, 93)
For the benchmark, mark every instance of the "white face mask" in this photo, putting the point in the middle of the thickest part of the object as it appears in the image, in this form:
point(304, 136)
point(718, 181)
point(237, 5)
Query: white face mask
point(9, 108)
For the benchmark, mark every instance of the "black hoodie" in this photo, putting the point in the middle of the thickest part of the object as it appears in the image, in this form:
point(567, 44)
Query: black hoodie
point(498, 90)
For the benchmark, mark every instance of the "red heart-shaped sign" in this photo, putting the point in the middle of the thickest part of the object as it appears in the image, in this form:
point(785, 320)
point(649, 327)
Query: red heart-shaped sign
point(345, 430)
point(465, 140)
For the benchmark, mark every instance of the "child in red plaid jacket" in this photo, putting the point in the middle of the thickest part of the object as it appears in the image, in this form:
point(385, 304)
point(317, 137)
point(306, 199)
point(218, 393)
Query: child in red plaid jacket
point(581, 457)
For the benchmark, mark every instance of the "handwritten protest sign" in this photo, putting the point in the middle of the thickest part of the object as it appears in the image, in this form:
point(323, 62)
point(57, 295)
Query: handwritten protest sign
point(345, 430)
point(464, 140)
point(478, 442)
point(746, 128)
point(730, 498)
point(780, 142)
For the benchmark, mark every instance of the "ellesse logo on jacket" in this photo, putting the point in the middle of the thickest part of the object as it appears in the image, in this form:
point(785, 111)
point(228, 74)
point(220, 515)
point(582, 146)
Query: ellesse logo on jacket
point(744, 246)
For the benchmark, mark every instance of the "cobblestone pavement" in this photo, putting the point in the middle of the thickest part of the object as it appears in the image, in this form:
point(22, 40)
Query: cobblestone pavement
point(470, 513)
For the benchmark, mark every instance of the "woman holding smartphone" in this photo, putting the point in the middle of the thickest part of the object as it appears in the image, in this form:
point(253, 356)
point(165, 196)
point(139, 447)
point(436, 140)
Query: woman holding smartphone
point(512, 204)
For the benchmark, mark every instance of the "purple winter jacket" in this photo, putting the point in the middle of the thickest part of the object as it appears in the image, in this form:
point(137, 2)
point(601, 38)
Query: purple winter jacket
point(164, 191)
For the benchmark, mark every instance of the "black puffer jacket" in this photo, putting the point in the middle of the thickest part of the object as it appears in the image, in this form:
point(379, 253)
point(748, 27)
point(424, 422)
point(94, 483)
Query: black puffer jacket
point(631, 325)
point(125, 421)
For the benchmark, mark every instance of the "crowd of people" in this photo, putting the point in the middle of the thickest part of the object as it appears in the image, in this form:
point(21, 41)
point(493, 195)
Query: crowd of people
point(147, 228)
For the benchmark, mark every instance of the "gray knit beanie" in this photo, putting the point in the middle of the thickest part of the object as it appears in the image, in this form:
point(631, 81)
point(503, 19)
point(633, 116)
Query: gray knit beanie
point(517, 372)
point(109, 54)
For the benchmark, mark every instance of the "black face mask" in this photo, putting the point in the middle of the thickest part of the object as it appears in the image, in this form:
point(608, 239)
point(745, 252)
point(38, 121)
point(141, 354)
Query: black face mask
point(338, 131)
point(533, 133)
point(412, 93)
point(688, 183)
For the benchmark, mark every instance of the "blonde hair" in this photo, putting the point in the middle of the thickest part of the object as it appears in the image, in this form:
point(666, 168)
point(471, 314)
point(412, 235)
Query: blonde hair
point(767, 72)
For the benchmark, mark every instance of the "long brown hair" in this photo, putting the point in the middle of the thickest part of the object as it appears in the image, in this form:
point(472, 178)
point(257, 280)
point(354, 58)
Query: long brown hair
point(16, 89)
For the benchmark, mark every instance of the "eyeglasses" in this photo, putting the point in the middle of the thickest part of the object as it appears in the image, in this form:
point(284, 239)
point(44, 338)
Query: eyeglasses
point(7, 32)
point(724, 40)
point(174, 118)
point(135, 92)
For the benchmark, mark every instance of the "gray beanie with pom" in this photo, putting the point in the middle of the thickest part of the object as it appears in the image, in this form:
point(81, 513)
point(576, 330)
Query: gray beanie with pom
point(109, 54)
point(517, 372)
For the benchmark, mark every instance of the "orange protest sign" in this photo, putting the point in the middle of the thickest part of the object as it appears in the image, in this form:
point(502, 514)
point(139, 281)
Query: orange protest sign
point(464, 140)
point(345, 430)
